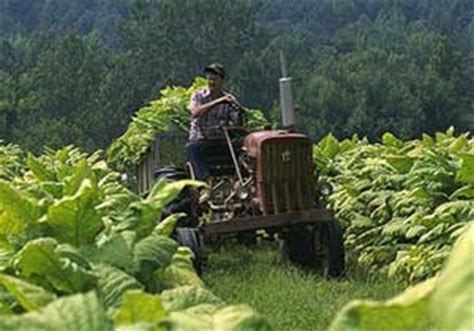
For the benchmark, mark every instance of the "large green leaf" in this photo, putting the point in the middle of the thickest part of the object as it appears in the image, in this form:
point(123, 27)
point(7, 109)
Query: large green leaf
point(459, 144)
point(16, 209)
point(452, 305)
point(443, 303)
point(112, 283)
point(232, 318)
point(81, 312)
point(163, 192)
point(40, 170)
point(30, 296)
point(185, 297)
point(10, 225)
point(143, 218)
point(167, 226)
point(403, 164)
point(466, 173)
point(154, 252)
point(390, 140)
point(6, 253)
point(467, 191)
point(180, 271)
point(409, 311)
point(147, 212)
point(73, 219)
point(82, 171)
point(329, 146)
point(139, 307)
point(41, 262)
point(116, 249)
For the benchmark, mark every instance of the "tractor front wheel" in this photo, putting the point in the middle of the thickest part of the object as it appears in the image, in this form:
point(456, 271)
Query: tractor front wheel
point(319, 247)
point(328, 247)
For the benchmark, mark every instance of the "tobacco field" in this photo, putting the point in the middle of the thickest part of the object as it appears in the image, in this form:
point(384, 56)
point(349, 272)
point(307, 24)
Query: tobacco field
point(402, 204)
point(81, 251)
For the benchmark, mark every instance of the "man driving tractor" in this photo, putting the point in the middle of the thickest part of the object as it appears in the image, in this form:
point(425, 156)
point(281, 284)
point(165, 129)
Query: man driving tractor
point(211, 109)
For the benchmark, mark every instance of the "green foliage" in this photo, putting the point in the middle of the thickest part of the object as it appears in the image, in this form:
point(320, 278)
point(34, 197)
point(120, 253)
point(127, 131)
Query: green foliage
point(78, 251)
point(73, 219)
point(233, 318)
point(452, 303)
point(401, 313)
point(402, 203)
point(179, 271)
point(17, 209)
point(139, 307)
point(441, 303)
point(167, 114)
point(186, 297)
point(112, 283)
point(29, 296)
point(81, 312)
point(11, 161)
point(45, 262)
point(76, 72)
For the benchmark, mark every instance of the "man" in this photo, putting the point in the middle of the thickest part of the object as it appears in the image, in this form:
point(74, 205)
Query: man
point(210, 108)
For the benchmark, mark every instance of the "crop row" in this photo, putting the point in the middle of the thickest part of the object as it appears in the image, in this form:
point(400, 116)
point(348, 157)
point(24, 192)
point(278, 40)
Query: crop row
point(402, 203)
point(79, 251)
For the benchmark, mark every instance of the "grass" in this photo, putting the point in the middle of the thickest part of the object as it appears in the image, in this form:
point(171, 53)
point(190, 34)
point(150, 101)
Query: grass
point(291, 299)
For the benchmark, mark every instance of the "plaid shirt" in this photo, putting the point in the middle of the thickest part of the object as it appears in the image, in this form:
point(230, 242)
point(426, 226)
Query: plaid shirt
point(206, 125)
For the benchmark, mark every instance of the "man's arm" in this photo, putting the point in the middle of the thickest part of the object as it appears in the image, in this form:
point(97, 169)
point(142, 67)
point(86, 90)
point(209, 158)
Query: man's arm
point(199, 110)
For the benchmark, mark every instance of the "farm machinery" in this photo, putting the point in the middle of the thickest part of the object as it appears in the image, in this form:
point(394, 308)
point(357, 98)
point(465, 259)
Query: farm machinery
point(262, 183)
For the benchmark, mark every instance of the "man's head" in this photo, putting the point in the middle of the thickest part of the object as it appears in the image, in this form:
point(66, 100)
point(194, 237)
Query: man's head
point(215, 75)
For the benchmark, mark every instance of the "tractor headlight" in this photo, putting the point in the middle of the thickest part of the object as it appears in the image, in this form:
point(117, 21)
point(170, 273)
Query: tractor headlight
point(325, 189)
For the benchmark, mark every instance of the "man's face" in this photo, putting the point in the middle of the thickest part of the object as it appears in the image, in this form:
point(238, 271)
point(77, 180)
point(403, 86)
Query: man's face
point(214, 82)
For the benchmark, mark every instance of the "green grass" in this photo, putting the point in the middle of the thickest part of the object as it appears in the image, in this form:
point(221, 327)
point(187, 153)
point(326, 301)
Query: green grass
point(291, 299)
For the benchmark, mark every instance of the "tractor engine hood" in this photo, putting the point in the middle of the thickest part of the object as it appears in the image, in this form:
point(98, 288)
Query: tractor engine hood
point(254, 141)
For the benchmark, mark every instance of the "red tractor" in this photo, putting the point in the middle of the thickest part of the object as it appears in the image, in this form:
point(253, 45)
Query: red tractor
point(264, 184)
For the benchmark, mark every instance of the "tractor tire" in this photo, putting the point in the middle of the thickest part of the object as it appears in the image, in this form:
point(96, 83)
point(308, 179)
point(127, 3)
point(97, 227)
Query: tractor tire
point(189, 237)
point(295, 247)
point(320, 248)
point(328, 246)
point(186, 202)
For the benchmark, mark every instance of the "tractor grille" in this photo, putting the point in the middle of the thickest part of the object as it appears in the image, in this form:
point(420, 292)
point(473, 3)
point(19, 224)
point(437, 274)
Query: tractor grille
point(285, 178)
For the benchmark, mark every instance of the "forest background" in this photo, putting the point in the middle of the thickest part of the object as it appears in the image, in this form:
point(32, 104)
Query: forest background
point(75, 72)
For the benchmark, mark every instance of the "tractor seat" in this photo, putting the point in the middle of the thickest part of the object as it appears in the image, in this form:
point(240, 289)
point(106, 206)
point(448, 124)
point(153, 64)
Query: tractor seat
point(219, 159)
point(220, 162)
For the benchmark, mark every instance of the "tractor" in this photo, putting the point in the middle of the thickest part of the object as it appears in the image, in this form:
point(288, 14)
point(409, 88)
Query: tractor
point(262, 183)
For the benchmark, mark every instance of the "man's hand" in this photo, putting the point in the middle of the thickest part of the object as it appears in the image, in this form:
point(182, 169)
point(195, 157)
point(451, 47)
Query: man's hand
point(202, 109)
point(233, 100)
point(230, 98)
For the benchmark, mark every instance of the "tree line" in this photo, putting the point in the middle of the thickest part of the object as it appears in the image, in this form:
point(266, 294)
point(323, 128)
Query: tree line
point(75, 72)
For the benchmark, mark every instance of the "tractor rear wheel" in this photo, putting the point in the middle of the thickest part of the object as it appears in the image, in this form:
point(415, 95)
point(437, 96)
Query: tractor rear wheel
point(186, 202)
point(318, 247)
point(189, 237)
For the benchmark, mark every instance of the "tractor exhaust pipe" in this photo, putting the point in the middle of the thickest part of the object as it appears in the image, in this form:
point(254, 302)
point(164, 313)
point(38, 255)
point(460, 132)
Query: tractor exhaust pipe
point(286, 98)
